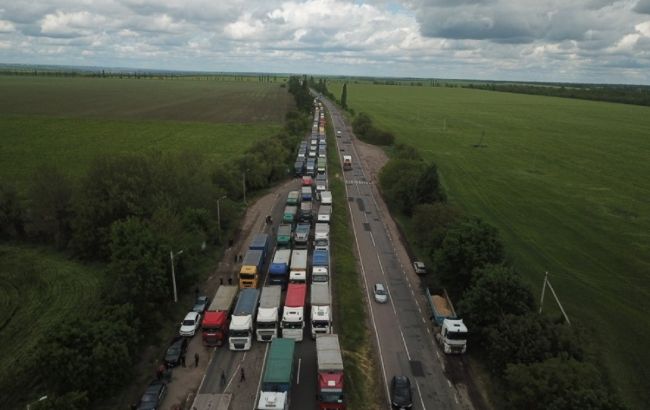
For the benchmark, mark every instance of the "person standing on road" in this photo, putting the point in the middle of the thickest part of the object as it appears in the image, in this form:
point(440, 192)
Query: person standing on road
point(196, 360)
point(242, 375)
point(223, 378)
point(183, 360)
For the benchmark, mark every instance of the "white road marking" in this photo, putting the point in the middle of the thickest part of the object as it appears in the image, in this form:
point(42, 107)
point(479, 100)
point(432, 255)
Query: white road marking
point(298, 375)
point(259, 383)
point(390, 297)
point(373, 239)
point(417, 385)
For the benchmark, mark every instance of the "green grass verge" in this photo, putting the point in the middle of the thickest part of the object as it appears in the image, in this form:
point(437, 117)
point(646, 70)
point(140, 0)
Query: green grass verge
point(564, 180)
point(72, 144)
point(39, 290)
point(361, 375)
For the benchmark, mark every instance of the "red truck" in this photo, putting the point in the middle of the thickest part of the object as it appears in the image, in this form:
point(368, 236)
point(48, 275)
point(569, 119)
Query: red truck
point(330, 372)
point(217, 318)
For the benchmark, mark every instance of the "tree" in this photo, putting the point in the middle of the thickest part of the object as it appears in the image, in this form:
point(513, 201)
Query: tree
point(138, 265)
point(398, 180)
point(528, 339)
point(433, 222)
point(557, 384)
point(470, 244)
point(12, 214)
point(428, 188)
point(361, 124)
point(50, 208)
point(405, 151)
point(344, 96)
point(496, 291)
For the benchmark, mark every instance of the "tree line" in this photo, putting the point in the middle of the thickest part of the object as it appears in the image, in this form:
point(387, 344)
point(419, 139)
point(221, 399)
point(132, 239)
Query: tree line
point(127, 213)
point(624, 94)
point(537, 361)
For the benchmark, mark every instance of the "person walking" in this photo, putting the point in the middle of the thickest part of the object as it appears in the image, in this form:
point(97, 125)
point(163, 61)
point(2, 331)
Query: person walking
point(242, 375)
point(196, 360)
point(223, 379)
point(183, 360)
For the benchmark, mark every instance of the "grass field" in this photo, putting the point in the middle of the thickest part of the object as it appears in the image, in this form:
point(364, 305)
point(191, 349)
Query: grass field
point(39, 289)
point(565, 181)
point(70, 121)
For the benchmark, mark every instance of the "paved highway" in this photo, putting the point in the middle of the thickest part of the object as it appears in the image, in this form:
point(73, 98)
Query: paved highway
point(403, 337)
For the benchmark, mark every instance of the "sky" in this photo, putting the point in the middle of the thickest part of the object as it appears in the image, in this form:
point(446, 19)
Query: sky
point(599, 41)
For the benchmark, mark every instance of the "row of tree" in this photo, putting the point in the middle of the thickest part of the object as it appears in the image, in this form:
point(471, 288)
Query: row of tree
point(625, 94)
point(129, 212)
point(366, 131)
point(539, 362)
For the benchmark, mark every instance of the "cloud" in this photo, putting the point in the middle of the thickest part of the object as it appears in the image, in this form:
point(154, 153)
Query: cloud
point(6, 26)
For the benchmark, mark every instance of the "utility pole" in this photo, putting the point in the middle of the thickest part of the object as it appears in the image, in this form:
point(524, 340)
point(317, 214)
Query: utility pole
point(171, 257)
point(557, 300)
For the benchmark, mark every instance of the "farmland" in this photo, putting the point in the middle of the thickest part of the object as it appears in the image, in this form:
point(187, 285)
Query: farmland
point(70, 121)
point(565, 181)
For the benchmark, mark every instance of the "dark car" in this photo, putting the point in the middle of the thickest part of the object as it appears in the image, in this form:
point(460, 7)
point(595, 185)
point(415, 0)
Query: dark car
point(176, 351)
point(400, 393)
point(153, 396)
point(201, 304)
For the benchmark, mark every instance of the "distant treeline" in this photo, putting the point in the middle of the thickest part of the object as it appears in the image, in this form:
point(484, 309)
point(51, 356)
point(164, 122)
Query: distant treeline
point(625, 94)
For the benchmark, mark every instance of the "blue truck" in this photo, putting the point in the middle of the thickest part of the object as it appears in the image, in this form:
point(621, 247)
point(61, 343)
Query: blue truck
point(260, 243)
point(320, 257)
point(279, 269)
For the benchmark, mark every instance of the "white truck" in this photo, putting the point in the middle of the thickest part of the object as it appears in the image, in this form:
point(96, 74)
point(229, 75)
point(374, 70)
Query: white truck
point(321, 317)
point(324, 213)
point(240, 335)
point(326, 198)
point(298, 270)
point(322, 236)
point(268, 317)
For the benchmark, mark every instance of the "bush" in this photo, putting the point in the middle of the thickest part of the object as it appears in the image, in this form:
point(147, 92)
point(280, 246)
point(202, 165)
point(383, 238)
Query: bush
point(432, 222)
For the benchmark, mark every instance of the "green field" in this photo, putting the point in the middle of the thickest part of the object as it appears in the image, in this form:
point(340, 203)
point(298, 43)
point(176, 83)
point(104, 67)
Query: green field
point(565, 181)
point(39, 289)
point(70, 121)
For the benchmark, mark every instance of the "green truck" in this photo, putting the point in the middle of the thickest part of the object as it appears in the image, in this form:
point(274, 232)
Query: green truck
point(293, 198)
point(278, 375)
point(283, 238)
point(289, 214)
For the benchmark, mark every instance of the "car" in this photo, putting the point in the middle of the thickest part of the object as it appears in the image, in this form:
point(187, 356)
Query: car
point(176, 351)
point(153, 396)
point(189, 325)
point(419, 267)
point(338, 133)
point(381, 296)
point(201, 304)
point(400, 393)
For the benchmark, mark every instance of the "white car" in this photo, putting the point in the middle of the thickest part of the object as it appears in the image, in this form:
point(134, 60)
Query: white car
point(381, 296)
point(419, 268)
point(189, 325)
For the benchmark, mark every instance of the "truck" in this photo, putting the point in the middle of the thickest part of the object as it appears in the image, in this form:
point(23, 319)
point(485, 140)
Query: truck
point(320, 274)
point(347, 162)
point(306, 193)
point(301, 236)
point(283, 237)
point(289, 214)
point(298, 268)
point(293, 314)
point(321, 236)
point(306, 213)
point(319, 298)
point(243, 317)
point(216, 319)
point(324, 213)
point(275, 389)
point(330, 373)
point(279, 267)
point(450, 331)
point(268, 314)
point(326, 198)
point(251, 268)
point(299, 167)
point(320, 257)
point(293, 198)
point(260, 242)
point(321, 183)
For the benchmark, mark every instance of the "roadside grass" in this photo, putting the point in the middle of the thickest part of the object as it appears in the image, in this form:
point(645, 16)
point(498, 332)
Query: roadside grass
point(39, 290)
point(71, 144)
point(361, 375)
point(564, 181)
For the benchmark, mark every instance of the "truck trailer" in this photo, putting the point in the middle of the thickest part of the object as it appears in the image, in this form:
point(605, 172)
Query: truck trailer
point(301, 236)
point(321, 319)
point(216, 319)
point(279, 268)
point(330, 373)
point(298, 269)
point(243, 317)
point(277, 379)
point(450, 331)
point(283, 237)
point(251, 268)
point(293, 314)
point(268, 314)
